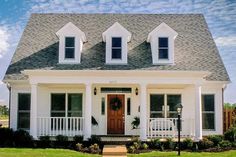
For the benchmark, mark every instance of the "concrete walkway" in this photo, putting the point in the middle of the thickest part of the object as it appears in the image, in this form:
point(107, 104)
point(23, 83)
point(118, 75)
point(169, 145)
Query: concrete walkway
point(114, 151)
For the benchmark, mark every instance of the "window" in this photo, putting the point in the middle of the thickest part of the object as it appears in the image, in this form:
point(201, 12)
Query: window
point(66, 105)
point(208, 112)
point(116, 48)
point(103, 106)
point(128, 106)
point(69, 47)
point(164, 105)
point(163, 48)
point(23, 111)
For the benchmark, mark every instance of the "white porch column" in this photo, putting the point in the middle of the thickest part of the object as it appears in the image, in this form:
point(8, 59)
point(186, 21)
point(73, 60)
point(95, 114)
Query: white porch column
point(143, 112)
point(33, 111)
point(88, 112)
point(198, 113)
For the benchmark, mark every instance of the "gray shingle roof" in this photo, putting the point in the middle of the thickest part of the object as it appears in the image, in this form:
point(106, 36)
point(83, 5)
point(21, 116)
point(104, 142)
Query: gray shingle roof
point(195, 49)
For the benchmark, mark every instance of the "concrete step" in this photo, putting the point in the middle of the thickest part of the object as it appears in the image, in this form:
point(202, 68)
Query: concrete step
point(114, 150)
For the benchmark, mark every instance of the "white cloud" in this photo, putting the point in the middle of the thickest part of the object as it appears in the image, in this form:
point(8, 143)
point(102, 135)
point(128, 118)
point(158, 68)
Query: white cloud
point(4, 40)
point(226, 41)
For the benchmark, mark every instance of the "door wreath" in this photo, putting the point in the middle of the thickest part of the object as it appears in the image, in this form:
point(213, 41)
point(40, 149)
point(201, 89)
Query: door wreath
point(115, 103)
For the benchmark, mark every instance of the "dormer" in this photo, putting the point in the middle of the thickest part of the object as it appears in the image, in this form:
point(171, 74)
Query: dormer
point(71, 40)
point(116, 38)
point(162, 44)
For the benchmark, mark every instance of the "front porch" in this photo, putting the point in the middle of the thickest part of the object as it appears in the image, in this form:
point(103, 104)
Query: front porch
point(65, 102)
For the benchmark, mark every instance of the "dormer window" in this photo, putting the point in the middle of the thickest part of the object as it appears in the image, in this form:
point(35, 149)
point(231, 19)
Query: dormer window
point(163, 48)
point(162, 44)
point(116, 38)
point(69, 47)
point(71, 40)
point(116, 49)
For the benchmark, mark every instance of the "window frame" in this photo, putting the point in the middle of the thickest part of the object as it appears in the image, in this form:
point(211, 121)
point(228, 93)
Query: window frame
point(23, 111)
point(69, 47)
point(163, 48)
point(209, 112)
point(116, 48)
point(66, 103)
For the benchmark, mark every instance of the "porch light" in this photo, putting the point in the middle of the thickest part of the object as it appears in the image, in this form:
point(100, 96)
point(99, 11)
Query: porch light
point(95, 91)
point(136, 91)
point(179, 111)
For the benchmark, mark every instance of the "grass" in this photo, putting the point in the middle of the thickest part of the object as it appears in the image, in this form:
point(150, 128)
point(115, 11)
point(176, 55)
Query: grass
point(185, 154)
point(27, 152)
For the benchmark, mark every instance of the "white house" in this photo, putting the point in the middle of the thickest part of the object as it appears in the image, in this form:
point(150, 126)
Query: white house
point(71, 69)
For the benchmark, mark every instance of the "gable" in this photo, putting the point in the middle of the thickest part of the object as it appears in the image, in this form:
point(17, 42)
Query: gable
point(194, 49)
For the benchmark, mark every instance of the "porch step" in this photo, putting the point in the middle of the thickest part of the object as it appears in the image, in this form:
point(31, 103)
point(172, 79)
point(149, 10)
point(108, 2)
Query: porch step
point(114, 150)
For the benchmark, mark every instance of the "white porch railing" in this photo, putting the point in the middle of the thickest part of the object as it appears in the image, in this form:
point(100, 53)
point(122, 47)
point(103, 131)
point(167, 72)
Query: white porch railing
point(53, 126)
point(167, 127)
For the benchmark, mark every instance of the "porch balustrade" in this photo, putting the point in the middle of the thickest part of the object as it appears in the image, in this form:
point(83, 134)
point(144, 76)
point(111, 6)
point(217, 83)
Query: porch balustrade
point(53, 126)
point(167, 127)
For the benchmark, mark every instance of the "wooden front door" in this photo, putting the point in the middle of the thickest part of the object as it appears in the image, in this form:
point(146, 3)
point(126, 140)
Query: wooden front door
point(115, 114)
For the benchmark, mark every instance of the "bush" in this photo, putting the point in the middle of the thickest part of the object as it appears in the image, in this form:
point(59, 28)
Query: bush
point(144, 146)
point(45, 142)
point(137, 145)
point(79, 147)
point(22, 138)
point(94, 139)
point(61, 141)
point(230, 134)
point(225, 144)
point(6, 137)
point(131, 149)
point(216, 139)
point(94, 149)
point(233, 144)
point(169, 144)
point(205, 144)
point(78, 139)
point(187, 143)
point(155, 143)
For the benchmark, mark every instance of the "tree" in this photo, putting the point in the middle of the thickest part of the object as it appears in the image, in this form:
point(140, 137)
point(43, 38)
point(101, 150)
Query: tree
point(4, 110)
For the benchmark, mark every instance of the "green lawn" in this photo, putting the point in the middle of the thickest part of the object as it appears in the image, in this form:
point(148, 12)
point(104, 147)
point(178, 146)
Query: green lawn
point(26, 152)
point(231, 153)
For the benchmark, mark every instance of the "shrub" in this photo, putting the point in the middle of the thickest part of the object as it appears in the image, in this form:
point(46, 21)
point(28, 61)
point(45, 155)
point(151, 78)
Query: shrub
point(22, 139)
point(131, 149)
point(94, 149)
point(45, 142)
point(155, 143)
point(187, 143)
point(6, 137)
point(205, 144)
point(225, 144)
point(136, 145)
point(230, 134)
point(233, 144)
point(144, 146)
point(94, 139)
point(216, 139)
point(61, 141)
point(78, 139)
point(169, 144)
point(79, 147)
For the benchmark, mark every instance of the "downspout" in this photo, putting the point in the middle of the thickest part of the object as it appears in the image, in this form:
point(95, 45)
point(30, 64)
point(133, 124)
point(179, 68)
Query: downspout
point(9, 101)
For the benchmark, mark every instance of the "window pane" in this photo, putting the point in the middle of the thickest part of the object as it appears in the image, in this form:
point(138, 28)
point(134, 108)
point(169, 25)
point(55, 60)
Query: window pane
point(23, 101)
point(58, 102)
point(74, 105)
point(128, 106)
point(173, 101)
point(70, 53)
point(103, 106)
point(156, 115)
point(157, 101)
point(116, 53)
point(23, 120)
point(163, 42)
point(58, 114)
point(163, 54)
point(208, 103)
point(208, 121)
point(116, 42)
point(70, 42)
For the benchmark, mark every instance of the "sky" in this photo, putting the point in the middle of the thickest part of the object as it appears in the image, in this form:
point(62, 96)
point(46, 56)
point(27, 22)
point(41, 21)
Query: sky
point(219, 14)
